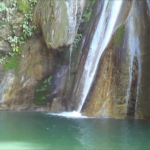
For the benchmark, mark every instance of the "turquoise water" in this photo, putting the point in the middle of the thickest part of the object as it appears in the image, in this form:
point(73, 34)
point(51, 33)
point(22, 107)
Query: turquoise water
point(40, 131)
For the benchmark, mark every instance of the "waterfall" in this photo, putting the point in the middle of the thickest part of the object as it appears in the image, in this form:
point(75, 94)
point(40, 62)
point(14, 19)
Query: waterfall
point(72, 114)
point(133, 43)
point(70, 55)
point(72, 7)
point(102, 35)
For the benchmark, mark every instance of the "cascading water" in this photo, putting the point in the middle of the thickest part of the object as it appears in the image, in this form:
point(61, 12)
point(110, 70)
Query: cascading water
point(70, 52)
point(102, 35)
point(142, 30)
point(73, 16)
point(106, 21)
point(72, 114)
point(134, 46)
point(72, 9)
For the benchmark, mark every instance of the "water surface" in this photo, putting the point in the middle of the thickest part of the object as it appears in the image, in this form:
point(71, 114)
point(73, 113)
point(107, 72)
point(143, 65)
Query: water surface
point(40, 131)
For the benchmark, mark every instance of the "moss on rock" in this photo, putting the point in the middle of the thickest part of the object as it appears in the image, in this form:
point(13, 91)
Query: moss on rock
point(23, 6)
point(13, 63)
point(119, 35)
point(42, 91)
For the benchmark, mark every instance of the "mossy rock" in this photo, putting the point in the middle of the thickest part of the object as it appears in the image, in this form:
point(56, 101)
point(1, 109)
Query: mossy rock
point(23, 6)
point(118, 37)
point(42, 91)
point(13, 63)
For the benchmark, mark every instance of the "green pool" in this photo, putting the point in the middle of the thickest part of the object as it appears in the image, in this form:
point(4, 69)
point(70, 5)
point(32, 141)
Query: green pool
point(41, 131)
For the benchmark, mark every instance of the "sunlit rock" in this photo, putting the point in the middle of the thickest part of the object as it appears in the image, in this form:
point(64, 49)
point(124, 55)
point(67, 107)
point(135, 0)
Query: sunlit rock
point(58, 21)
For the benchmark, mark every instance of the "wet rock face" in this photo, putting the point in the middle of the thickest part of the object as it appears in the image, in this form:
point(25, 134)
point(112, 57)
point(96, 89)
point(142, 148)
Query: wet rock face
point(59, 81)
point(58, 86)
point(143, 29)
point(108, 94)
point(122, 85)
point(101, 101)
point(5, 84)
point(58, 21)
point(37, 60)
point(4, 47)
point(37, 63)
point(57, 106)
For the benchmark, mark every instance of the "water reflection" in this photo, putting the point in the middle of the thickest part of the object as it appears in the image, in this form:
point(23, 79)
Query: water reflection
point(31, 131)
point(112, 134)
point(19, 146)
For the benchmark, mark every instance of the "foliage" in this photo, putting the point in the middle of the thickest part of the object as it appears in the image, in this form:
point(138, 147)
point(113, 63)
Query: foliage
point(12, 63)
point(88, 12)
point(42, 92)
point(58, 63)
point(32, 3)
point(3, 58)
point(2, 26)
point(2, 6)
point(8, 10)
point(15, 41)
point(27, 28)
point(43, 87)
point(23, 6)
point(77, 40)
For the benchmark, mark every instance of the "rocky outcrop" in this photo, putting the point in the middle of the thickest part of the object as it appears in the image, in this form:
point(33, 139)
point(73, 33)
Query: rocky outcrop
point(57, 24)
point(10, 25)
point(95, 43)
point(108, 94)
point(43, 76)
point(142, 27)
point(36, 64)
point(58, 21)
point(121, 88)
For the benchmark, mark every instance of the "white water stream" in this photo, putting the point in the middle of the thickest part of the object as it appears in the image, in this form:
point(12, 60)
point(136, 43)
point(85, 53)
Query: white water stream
point(134, 48)
point(72, 6)
point(73, 114)
point(101, 38)
point(105, 28)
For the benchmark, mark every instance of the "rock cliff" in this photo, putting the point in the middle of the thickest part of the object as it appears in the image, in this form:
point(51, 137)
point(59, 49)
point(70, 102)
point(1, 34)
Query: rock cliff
point(56, 23)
